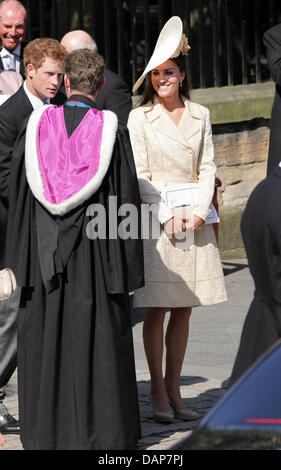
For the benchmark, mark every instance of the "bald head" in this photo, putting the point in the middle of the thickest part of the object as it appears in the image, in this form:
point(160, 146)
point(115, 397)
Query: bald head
point(78, 40)
point(12, 23)
point(14, 4)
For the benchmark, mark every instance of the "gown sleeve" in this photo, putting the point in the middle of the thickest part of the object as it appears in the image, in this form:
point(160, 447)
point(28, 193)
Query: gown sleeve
point(128, 199)
point(21, 237)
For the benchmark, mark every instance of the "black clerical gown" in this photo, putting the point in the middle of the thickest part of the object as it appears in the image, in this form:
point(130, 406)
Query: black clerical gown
point(76, 373)
point(261, 231)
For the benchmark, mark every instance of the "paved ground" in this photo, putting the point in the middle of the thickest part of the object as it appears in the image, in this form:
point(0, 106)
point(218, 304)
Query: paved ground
point(213, 342)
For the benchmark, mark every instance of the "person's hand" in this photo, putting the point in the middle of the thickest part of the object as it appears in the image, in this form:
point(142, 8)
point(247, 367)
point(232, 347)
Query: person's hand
point(175, 225)
point(195, 223)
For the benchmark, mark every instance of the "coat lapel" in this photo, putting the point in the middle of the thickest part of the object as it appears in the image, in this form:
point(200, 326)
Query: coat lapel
point(191, 119)
point(22, 69)
point(188, 126)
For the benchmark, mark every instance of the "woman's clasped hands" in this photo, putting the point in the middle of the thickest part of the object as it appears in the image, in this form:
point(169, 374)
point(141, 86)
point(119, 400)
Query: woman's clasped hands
point(177, 224)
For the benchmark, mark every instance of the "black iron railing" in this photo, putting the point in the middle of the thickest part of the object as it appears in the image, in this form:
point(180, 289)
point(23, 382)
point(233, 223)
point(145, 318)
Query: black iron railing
point(225, 35)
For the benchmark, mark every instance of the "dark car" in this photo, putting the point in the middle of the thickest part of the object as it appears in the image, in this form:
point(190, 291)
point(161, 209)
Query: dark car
point(248, 417)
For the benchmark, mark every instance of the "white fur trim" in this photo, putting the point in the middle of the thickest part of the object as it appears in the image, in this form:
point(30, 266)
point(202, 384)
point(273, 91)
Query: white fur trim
point(32, 165)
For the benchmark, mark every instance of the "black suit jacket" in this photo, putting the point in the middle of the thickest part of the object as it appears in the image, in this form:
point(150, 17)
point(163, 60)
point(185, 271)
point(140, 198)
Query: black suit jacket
point(114, 96)
point(261, 231)
point(22, 69)
point(13, 114)
point(272, 42)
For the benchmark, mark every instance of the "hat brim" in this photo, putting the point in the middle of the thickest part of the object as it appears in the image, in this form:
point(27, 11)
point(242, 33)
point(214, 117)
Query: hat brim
point(166, 46)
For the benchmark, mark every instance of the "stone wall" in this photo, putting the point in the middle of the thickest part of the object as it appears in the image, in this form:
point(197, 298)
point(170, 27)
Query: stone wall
point(241, 159)
point(240, 119)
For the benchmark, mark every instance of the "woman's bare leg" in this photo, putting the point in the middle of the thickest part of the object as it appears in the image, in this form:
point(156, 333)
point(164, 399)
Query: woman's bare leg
point(153, 328)
point(176, 342)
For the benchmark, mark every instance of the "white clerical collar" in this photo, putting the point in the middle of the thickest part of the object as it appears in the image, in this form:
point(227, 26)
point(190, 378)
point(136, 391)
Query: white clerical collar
point(5, 52)
point(34, 100)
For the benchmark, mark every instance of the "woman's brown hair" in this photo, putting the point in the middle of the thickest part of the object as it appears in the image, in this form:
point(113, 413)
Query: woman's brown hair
point(149, 92)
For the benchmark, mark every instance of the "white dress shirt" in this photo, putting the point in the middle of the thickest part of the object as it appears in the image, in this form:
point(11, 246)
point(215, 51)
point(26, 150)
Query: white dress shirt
point(6, 59)
point(34, 100)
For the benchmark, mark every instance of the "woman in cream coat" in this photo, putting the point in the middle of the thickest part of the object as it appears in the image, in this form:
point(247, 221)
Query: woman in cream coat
point(172, 144)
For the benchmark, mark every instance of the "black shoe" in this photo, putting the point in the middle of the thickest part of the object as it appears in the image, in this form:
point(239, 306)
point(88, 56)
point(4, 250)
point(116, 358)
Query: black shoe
point(9, 425)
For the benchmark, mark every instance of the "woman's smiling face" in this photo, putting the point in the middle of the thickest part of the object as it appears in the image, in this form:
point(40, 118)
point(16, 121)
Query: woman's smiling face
point(166, 78)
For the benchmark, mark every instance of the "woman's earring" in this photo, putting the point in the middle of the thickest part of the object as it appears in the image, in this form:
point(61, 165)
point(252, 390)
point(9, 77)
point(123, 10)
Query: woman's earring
point(181, 84)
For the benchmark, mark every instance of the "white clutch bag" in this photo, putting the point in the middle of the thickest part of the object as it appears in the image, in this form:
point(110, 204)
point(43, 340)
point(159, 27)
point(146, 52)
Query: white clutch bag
point(186, 195)
point(8, 283)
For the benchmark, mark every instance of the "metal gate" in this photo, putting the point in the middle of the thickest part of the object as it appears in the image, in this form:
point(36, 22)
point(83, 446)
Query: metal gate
point(225, 35)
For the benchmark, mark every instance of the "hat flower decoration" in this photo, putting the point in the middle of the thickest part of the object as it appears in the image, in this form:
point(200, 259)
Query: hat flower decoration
point(183, 47)
point(171, 43)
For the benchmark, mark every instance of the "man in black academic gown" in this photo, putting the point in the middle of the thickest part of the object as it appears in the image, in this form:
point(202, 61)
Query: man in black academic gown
point(43, 59)
point(272, 42)
point(261, 231)
point(77, 383)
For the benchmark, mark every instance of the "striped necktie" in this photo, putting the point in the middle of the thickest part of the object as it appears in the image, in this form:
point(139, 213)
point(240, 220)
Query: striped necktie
point(12, 65)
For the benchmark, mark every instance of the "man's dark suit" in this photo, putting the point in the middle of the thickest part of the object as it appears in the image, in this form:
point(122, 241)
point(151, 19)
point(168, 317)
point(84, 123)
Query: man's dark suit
point(22, 69)
point(261, 231)
point(115, 96)
point(272, 42)
point(12, 116)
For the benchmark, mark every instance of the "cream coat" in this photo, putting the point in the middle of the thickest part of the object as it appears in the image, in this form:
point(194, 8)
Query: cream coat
point(166, 154)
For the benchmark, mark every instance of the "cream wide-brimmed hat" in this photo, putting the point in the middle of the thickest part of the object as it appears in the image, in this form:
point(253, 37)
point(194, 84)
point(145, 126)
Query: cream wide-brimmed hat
point(170, 43)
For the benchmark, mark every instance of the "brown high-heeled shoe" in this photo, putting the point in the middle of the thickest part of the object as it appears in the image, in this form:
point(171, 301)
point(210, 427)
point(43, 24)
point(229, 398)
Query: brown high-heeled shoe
point(184, 414)
point(162, 416)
